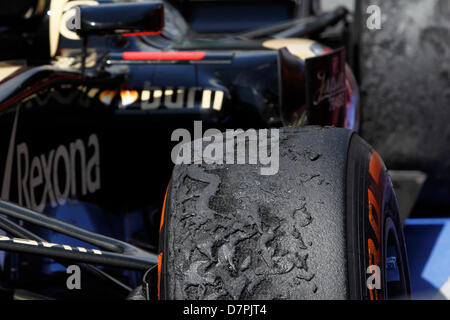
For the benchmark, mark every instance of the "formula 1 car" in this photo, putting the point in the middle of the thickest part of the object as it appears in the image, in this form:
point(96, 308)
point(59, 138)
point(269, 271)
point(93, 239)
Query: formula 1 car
point(93, 96)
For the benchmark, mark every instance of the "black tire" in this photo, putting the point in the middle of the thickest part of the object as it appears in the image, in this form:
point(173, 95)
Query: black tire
point(230, 233)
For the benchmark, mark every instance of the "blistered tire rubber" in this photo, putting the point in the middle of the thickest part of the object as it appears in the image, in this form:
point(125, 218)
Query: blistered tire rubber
point(309, 232)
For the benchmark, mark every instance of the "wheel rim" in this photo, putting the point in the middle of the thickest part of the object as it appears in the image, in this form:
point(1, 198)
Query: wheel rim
point(395, 282)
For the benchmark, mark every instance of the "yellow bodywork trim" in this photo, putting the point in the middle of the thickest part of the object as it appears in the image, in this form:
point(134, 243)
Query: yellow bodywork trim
point(301, 48)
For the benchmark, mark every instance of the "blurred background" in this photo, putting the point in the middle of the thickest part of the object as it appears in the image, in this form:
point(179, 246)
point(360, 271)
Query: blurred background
point(404, 74)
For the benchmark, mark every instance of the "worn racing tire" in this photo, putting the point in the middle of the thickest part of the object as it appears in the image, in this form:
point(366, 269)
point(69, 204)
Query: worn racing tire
point(309, 232)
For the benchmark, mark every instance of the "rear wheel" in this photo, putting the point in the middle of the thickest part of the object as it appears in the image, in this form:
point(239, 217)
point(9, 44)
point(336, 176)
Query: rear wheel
point(309, 232)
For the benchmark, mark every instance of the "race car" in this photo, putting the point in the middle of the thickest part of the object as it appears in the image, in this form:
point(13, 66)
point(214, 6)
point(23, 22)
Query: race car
point(99, 101)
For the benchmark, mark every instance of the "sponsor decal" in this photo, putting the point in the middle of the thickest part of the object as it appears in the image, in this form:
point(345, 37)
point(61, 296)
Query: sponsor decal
point(331, 85)
point(331, 89)
point(154, 98)
point(128, 97)
point(177, 98)
point(326, 83)
point(107, 96)
point(64, 94)
point(375, 202)
point(54, 176)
